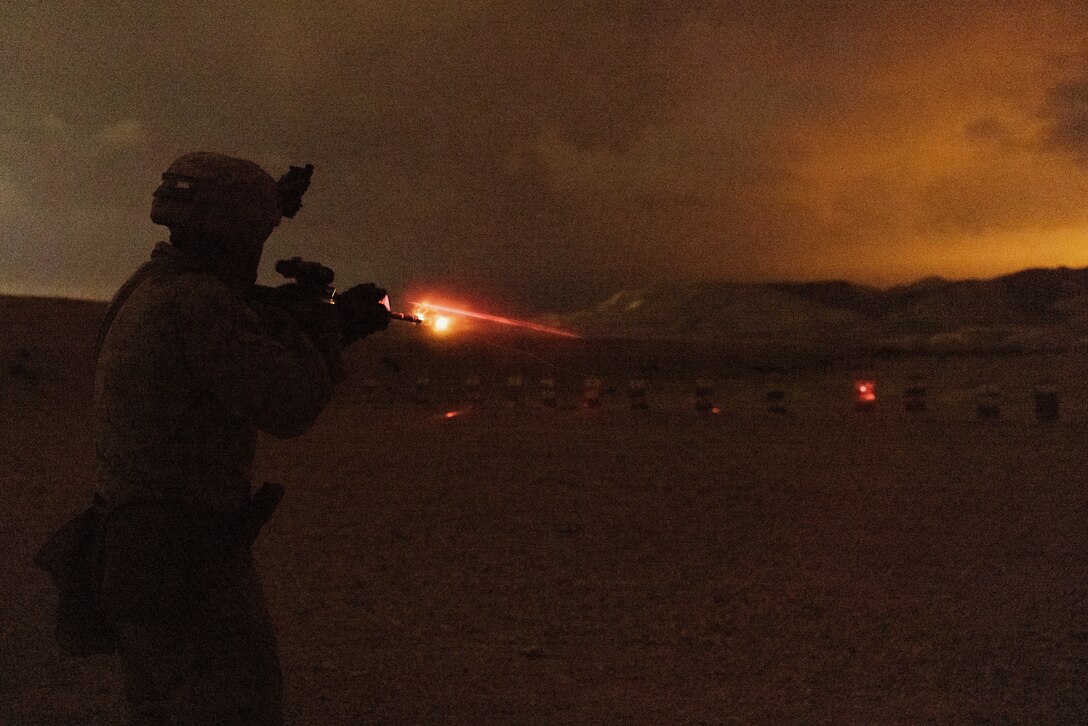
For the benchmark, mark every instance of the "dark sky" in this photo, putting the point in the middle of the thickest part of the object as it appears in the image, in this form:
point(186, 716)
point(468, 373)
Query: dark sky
point(544, 154)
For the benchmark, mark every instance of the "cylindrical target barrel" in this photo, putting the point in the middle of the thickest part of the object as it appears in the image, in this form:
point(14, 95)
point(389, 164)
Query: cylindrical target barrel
point(1047, 403)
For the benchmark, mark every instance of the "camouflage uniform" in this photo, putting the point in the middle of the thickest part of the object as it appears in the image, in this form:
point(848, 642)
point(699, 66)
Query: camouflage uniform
point(187, 374)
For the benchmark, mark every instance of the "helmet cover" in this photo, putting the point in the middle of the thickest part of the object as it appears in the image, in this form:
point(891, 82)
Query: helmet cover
point(225, 200)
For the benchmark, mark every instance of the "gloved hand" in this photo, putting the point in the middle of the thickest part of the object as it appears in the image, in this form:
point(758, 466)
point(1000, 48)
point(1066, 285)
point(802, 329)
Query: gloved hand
point(362, 311)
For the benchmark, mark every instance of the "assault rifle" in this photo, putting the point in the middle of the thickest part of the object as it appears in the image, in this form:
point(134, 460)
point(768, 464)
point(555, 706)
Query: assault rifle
point(361, 310)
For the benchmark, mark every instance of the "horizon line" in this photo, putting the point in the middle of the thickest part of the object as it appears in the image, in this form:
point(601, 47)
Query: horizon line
point(22, 291)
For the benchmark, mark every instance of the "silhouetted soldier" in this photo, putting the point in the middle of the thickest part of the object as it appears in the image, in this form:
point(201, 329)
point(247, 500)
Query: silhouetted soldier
point(189, 369)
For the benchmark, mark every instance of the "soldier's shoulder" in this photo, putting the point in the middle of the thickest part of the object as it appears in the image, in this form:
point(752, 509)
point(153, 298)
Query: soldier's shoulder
point(191, 283)
point(191, 293)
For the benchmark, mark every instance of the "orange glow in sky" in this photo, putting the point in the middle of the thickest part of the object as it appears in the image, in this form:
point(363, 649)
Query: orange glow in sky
point(750, 142)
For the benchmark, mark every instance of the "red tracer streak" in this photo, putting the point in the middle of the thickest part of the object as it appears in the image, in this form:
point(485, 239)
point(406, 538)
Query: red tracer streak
point(498, 319)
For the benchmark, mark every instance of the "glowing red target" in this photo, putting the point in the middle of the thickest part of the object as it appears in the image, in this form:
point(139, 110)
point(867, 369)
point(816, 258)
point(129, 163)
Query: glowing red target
point(865, 393)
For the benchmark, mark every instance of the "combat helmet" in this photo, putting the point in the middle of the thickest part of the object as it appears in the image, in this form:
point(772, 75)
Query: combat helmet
point(223, 207)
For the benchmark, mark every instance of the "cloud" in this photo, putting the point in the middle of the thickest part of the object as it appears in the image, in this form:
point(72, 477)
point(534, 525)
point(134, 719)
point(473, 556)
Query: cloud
point(990, 130)
point(549, 153)
point(1067, 117)
point(122, 134)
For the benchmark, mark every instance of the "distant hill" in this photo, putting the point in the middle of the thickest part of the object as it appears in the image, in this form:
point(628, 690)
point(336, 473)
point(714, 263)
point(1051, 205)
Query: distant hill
point(1034, 309)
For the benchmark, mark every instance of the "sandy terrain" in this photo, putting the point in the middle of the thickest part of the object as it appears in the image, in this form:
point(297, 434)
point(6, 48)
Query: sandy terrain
point(529, 566)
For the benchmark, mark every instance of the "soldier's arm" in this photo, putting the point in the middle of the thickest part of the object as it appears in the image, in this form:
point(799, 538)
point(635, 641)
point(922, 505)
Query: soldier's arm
point(270, 374)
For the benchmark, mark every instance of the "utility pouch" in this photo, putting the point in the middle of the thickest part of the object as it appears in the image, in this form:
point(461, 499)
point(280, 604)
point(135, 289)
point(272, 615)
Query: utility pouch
point(69, 556)
point(160, 557)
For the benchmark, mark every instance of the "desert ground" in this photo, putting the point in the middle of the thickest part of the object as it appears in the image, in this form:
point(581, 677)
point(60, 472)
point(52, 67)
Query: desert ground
point(516, 564)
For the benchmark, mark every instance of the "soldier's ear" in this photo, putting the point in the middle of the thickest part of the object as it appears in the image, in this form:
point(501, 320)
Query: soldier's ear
point(292, 186)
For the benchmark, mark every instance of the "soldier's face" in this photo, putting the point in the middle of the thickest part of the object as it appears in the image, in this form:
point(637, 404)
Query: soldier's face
point(233, 227)
point(173, 202)
point(181, 187)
